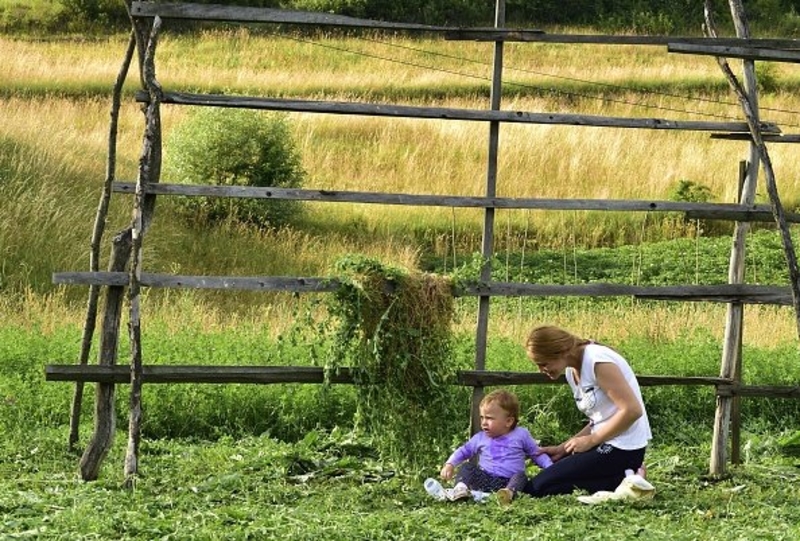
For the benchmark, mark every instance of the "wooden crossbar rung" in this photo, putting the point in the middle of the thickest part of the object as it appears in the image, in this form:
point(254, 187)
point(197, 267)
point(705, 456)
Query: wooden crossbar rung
point(783, 138)
point(536, 36)
point(193, 374)
point(308, 374)
point(710, 211)
point(247, 283)
point(743, 293)
point(120, 374)
point(248, 14)
point(449, 113)
point(748, 53)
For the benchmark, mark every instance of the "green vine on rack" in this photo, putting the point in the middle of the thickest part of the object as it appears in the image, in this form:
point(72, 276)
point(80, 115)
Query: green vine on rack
point(394, 328)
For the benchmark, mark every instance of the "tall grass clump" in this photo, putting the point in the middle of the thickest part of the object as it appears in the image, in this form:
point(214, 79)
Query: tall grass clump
point(235, 147)
point(39, 229)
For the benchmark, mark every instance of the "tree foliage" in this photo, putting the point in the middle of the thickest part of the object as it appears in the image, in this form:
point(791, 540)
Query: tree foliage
point(641, 16)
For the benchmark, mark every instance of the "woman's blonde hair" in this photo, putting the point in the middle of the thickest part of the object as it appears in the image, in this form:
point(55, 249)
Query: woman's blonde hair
point(506, 400)
point(548, 342)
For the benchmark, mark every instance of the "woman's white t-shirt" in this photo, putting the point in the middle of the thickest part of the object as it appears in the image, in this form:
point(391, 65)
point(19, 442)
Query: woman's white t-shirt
point(595, 403)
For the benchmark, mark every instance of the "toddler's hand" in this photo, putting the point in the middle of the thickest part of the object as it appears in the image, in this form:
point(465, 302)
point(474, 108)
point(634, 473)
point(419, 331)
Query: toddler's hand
point(447, 472)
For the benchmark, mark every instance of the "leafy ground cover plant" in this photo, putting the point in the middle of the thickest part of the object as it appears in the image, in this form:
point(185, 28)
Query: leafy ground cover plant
point(332, 486)
point(308, 475)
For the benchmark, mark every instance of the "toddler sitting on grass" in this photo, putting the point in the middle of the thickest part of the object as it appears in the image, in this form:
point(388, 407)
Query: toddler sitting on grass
point(502, 447)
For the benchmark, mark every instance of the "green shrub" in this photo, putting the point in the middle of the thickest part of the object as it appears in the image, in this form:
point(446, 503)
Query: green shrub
point(688, 190)
point(693, 192)
point(450, 12)
point(235, 147)
point(767, 77)
point(790, 444)
point(84, 14)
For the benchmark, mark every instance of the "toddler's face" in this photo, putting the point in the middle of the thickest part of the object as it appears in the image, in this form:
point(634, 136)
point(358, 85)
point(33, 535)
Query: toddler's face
point(495, 421)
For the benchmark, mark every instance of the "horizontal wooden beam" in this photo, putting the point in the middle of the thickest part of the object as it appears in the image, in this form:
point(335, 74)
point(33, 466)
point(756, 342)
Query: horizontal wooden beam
point(747, 294)
point(448, 113)
point(762, 391)
point(537, 36)
point(265, 375)
point(307, 374)
point(244, 14)
point(195, 374)
point(724, 293)
point(747, 53)
point(248, 283)
point(484, 378)
point(709, 211)
point(784, 138)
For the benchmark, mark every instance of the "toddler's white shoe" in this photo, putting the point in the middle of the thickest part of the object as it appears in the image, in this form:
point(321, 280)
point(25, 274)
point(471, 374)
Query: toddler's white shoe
point(458, 492)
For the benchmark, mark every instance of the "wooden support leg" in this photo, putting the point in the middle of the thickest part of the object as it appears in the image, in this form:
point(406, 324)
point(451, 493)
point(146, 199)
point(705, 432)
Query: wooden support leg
point(104, 419)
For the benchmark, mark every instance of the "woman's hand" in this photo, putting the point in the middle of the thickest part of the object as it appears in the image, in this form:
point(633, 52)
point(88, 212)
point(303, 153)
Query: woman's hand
point(555, 452)
point(447, 472)
point(579, 444)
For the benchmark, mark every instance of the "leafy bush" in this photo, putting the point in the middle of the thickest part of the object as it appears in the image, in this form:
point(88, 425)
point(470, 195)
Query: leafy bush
point(235, 147)
point(437, 12)
point(83, 14)
point(790, 444)
point(688, 190)
point(693, 192)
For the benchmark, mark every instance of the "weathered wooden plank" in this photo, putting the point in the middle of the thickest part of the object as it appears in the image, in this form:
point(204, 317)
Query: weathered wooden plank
point(196, 374)
point(489, 378)
point(249, 283)
point(748, 53)
point(448, 113)
point(710, 211)
point(783, 138)
point(748, 294)
point(762, 391)
point(245, 14)
point(310, 374)
point(728, 293)
point(526, 35)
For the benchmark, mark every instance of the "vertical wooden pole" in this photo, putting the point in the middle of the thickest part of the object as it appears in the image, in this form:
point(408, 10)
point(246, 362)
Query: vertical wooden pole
point(104, 415)
point(97, 236)
point(487, 244)
point(735, 315)
point(149, 171)
point(736, 417)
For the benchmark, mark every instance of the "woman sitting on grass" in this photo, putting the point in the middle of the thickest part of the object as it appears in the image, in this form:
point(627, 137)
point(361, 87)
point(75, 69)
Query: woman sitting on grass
point(607, 392)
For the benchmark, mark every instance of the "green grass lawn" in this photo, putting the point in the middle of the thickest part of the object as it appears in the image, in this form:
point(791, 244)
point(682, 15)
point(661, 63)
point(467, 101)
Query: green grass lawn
point(282, 462)
point(333, 487)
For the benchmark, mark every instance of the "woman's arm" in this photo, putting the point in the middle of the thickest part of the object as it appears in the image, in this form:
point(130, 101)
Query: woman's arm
point(610, 379)
point(557, 452)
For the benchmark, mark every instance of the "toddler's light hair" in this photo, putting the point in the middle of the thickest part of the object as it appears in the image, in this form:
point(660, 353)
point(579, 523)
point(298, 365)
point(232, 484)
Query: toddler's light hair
point(506, 400)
